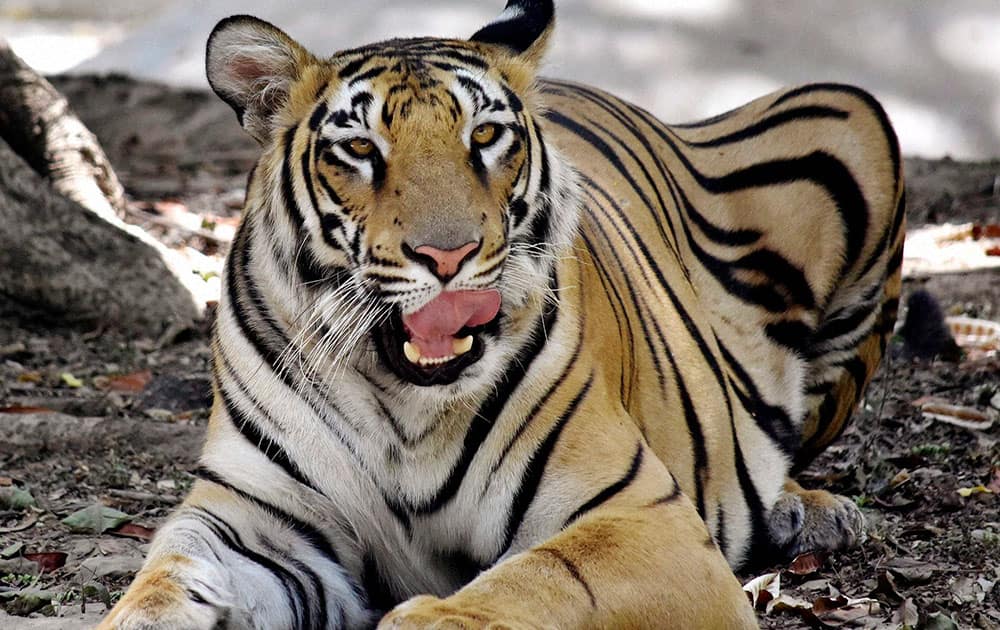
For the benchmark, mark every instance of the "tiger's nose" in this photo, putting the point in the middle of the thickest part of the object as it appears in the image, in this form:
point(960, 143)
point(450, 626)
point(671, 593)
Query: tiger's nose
point(443, 263)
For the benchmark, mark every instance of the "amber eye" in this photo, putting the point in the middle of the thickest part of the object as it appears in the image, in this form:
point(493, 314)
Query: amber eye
point(485, 134)
point(360, 148)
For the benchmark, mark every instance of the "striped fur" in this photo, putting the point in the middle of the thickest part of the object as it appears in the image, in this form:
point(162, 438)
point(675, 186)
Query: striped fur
point(689, 312)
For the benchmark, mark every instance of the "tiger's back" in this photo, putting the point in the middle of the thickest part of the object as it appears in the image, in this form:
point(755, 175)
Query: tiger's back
point(751, 264)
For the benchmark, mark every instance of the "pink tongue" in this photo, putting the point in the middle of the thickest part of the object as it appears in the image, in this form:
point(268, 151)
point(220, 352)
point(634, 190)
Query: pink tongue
point(433, 327)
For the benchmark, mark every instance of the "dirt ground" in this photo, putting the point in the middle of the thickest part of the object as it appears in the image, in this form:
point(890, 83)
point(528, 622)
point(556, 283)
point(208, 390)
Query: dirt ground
point(91, 421)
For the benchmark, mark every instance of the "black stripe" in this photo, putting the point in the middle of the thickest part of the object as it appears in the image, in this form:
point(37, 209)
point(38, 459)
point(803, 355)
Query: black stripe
point(249, 429)
point(690, 416)
point(720, 530)
point(840, 326)
point(605, 149)
point(572, 569)
point(467, 59)
point(611, 253)
point(795, 335)
point(554, 385)
point(808, 112)
point(367, 74)
point(868, 99)
point(237, 275)
point(771, 419)
point(621, 315)
point(533, 472)
point(317, 116)
point(287, 191)
point(818, 167)
point(611, 490)
point(670, 497)
point(295, 590)
point(380, 594)
point(352, 67)
point(308, 532)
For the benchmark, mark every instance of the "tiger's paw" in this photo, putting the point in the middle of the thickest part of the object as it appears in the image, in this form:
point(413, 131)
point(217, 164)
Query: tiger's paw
point(426, 611)
point(803, 521)
point(174, 592)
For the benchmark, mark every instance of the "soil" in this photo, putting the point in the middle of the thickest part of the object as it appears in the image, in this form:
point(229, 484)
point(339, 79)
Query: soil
point(92, 418)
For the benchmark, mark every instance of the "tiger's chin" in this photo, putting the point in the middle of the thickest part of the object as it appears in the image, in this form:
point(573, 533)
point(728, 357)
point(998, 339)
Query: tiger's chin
point(403, 355)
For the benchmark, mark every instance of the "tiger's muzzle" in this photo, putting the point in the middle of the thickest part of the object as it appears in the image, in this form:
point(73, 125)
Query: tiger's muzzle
point(435, 344)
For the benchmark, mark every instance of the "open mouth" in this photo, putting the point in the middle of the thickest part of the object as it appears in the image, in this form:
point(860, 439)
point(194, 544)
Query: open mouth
point(433, 345)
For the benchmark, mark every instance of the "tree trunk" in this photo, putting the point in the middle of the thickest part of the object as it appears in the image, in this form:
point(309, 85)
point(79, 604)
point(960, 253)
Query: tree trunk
point(65, 255)
point(37, 123)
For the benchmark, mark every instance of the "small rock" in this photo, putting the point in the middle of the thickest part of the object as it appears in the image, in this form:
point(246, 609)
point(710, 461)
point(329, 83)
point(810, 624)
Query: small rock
point(160, 415)
point(166, 484)
point(19, 566)
point(30, 600)
point(178, 394)
point(113, 567)
point(12, 349)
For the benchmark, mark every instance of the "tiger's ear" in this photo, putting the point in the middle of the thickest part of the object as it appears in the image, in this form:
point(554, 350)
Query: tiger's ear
point(252, 66)
point(522, 29)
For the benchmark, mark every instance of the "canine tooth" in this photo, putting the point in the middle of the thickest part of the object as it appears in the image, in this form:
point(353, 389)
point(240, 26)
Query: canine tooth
point(411, 351)
point(461, 346)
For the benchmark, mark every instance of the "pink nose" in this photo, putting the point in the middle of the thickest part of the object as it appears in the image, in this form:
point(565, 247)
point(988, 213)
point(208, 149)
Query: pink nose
point(447, 261)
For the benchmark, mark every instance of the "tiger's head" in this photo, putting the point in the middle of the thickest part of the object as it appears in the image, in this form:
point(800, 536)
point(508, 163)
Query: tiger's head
point(409, 198)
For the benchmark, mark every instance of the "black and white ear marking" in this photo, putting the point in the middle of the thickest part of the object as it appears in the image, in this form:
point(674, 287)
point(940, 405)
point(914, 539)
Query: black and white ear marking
point(252, 65)
point(523, 27)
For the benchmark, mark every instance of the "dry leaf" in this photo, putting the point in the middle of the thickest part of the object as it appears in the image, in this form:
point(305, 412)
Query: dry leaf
point(850, 611)
point(763, 589)
point(807, 563)
point(939, 621)
point(957, 415)
point(899, 479)
point(95, 519)
point(70, 380)
point(907, 614)
point(130, 383)
point(23, 409)
point(986, 230)
point(137, 532)
point(29, 377)
point(788, 603)
point(912, 571)
point(48, 561)
point(886, 588)
point(965, 493)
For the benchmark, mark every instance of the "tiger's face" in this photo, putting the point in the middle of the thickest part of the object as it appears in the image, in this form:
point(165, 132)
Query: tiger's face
point(415, 164)
point(420, 182)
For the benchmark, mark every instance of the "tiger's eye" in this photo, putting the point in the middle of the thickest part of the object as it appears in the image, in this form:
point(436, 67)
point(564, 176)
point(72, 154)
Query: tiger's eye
point(360, 147)
point(484, 134)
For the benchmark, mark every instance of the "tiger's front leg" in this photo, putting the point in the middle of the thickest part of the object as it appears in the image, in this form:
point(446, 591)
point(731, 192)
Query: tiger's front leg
point(223, 562)
point(642, 558)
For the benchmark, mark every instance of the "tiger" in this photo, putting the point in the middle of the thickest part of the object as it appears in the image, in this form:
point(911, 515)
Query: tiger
point(498, 351)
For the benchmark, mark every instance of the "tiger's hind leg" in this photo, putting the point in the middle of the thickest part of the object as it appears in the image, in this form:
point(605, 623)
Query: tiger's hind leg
point(846, 351)
point(852, 328)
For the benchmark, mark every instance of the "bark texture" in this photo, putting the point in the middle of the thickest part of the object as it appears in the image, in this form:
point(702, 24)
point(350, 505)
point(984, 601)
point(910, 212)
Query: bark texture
point(65, 255)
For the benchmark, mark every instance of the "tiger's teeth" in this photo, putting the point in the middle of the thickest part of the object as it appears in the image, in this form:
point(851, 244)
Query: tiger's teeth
point(426, 361)
point(461, 346)
point(411, 351)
